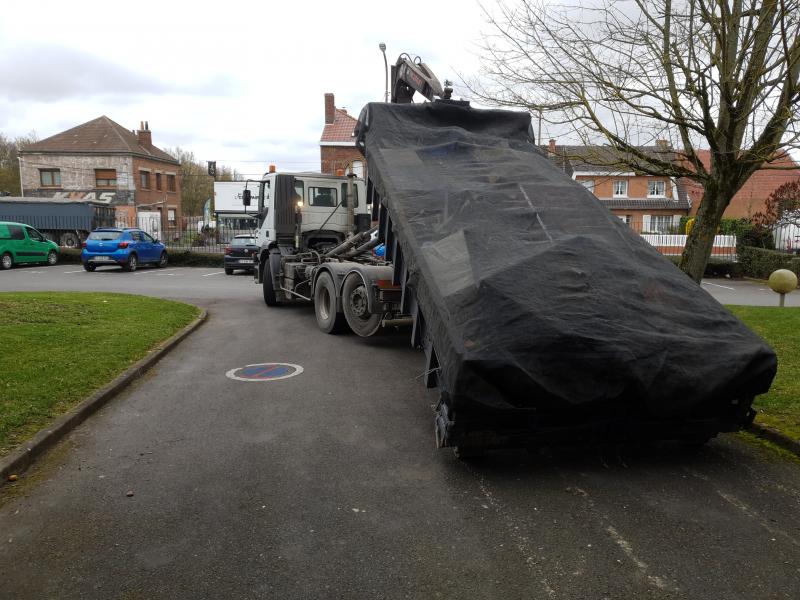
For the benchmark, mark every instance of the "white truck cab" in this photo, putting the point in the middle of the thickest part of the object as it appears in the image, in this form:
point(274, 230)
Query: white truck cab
point(307, 210)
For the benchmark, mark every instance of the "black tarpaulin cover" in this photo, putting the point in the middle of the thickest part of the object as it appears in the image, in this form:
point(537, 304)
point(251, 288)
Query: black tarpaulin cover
point(534, 294)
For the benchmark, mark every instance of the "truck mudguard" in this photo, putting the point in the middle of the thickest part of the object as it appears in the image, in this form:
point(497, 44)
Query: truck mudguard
point(537, 299)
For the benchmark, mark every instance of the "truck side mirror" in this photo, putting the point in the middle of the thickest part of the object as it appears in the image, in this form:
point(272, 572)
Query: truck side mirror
point(246, 197)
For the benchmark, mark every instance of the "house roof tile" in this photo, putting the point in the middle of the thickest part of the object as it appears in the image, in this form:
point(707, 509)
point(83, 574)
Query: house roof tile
point(645, 203)
point(98, 136)
point(341, 130)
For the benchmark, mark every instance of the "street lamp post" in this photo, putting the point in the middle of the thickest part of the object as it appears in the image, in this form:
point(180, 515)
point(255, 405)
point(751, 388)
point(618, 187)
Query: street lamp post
point(382, 46)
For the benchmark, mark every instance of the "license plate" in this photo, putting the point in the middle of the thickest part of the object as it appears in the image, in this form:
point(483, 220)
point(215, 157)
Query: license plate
point(101, 259)
point(246, 260)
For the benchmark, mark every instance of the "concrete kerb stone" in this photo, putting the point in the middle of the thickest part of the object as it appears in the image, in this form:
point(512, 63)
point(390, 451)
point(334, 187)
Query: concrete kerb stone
point(776, 437)
point(23, 457)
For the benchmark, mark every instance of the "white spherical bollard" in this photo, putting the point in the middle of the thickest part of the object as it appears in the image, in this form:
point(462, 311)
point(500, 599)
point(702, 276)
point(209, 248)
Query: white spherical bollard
point(782, 281)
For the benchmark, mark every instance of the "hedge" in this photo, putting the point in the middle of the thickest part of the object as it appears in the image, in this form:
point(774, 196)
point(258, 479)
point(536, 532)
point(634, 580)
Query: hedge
point(176, 259)
point(716, 269)
point(760, 262)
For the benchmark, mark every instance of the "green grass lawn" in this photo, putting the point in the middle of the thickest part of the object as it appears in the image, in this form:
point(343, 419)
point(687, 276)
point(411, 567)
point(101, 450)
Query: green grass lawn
point(56, 348)
point(780, 327)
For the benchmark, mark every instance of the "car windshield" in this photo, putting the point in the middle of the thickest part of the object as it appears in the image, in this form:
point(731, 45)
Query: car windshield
point(245, 241)
point(104, 235)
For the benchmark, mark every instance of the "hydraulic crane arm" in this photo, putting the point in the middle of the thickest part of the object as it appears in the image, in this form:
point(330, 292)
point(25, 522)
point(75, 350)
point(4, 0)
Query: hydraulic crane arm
point(409, 76)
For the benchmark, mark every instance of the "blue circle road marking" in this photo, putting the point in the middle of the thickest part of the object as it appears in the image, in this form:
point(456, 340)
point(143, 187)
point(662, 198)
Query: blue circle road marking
point(264, 372)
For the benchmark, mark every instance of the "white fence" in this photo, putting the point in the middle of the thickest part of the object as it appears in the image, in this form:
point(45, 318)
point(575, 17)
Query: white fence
point(672, 245)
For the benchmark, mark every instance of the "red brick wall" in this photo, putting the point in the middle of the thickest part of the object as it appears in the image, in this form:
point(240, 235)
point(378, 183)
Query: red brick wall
point(151, 195)
point(338, 157)
point(751, 198)
point(637, 185)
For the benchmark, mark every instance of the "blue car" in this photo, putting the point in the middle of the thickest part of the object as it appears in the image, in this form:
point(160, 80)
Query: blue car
point(128, 248)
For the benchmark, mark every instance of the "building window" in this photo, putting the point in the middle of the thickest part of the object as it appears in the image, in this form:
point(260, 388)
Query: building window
point(661, 223)
point(627, 219)
point(158, 181)
point(50, 177)
point(588, 184)
point(171, 216)
point(620, 188)
point(144, 180)
point(105, 178)
point(358, 169)
point(656, 187)
point(170, 183)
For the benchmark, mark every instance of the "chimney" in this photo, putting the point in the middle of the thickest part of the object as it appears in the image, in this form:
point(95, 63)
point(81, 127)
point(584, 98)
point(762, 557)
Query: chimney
point(552, 146)
point(330, 108)
point(144, 135)
point(662, 145)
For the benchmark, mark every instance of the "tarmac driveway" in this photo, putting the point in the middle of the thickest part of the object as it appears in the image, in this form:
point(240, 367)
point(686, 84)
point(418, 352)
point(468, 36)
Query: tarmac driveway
point(328, 485)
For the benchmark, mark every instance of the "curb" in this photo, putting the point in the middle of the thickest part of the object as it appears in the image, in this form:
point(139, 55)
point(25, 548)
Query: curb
point(21, 459)
point(775, 436)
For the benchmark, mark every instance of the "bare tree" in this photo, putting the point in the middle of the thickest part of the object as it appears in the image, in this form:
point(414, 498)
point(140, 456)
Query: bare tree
point(716, 74)
point(196, 185)
point(9, 161)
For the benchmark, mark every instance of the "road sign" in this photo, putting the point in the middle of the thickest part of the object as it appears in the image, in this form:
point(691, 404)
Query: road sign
point(264, 372)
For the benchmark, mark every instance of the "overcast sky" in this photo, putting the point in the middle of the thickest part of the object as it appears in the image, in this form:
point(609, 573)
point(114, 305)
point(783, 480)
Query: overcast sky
point(242, 85)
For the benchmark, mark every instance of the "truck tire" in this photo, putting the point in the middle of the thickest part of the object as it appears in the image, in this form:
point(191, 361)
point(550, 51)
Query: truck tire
point(328, 319)
point(270, 299)
point(70, 240)
point(355, 307)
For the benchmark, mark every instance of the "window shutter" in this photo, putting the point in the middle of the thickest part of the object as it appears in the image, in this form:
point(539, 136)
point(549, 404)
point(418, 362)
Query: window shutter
point(645, 223)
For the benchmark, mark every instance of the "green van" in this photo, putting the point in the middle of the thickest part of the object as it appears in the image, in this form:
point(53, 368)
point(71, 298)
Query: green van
point(20, 243)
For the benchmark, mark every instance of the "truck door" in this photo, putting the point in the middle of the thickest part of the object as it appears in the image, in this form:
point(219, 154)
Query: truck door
point(321, 200)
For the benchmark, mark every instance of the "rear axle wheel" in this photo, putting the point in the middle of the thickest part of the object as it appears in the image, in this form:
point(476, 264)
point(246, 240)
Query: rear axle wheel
point(355, 303)
point(328, 319)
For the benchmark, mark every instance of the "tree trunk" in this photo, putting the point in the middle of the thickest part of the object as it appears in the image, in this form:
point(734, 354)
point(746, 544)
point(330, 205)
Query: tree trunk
point(701, 238)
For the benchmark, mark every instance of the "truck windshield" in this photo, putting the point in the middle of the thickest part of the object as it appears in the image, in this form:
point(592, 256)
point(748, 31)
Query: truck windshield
point(104, 235)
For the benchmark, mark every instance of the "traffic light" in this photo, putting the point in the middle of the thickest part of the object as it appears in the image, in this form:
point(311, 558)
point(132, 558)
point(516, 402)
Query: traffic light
point(212, 168)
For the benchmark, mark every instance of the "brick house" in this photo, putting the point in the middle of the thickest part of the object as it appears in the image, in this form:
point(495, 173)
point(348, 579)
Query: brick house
point(647, 203)
point(337, 145)
point(102, 161)
point(754, 193)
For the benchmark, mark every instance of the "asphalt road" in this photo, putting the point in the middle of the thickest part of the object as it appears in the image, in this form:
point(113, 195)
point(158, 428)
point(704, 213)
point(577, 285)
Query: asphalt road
point(328, 485)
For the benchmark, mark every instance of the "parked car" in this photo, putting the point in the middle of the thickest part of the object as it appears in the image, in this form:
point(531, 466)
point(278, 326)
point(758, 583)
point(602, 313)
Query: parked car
point(128, 248)
point(240, 253)
point(20, 243)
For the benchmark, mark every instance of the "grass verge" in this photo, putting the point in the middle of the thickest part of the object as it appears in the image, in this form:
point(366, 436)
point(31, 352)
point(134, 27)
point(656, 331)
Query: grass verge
point(780, 327)
point(56, 348)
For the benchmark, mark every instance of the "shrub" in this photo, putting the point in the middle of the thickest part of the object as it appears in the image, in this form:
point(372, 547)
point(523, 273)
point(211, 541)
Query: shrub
point(176, 259)
point(716, 269)
point(761, 262)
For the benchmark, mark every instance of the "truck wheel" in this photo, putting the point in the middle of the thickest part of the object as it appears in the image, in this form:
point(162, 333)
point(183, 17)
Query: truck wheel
point(52, 257)
point(356, 307)
point(270, 299)
point(69, 240)
point(6, 261)
point(328, 319)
